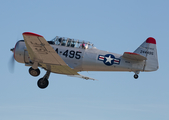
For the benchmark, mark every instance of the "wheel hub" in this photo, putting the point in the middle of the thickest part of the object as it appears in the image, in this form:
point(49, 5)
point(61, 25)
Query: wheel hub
point(42, 83)
point(34, 72)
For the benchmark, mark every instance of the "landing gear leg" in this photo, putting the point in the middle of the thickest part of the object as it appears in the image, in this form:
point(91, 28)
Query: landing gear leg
point(136, 74)
point(43, 82)
point(34, 72)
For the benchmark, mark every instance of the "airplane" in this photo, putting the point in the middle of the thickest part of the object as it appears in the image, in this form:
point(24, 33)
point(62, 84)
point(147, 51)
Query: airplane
point(69, 56)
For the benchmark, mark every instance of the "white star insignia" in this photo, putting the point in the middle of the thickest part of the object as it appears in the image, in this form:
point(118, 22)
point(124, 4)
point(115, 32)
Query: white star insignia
point(109, 59)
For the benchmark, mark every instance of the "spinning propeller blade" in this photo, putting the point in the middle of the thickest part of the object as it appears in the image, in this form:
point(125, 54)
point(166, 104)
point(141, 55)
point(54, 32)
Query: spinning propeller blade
point(11, 64)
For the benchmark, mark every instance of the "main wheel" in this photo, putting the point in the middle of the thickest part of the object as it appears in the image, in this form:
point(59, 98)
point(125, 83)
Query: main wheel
point(42, 83)
point(34, 72)
point(135, 76)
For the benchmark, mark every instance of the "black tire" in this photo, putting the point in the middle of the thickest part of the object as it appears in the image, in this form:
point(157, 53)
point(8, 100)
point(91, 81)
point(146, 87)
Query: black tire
point(135, 76)
point(43, 83)
point(34, 72)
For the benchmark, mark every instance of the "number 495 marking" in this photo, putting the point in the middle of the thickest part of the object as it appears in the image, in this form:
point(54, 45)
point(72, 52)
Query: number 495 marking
point(71, 53)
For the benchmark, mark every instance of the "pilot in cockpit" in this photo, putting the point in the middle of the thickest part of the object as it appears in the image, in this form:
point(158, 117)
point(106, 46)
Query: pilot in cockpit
point(60, 40)
point(82, 45)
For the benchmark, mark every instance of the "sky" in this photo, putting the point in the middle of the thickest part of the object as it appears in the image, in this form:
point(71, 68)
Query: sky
point(114, 26)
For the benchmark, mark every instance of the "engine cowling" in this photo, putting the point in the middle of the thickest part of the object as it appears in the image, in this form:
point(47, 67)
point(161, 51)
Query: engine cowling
point(21, 53)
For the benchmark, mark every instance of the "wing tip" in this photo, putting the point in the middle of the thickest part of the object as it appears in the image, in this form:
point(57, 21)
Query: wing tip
point(31, 34)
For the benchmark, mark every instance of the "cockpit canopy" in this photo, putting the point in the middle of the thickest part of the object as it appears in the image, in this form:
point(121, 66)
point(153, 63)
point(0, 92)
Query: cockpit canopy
point(68, 42)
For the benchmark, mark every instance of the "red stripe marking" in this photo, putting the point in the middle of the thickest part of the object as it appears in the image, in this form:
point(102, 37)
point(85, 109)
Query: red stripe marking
point(31, 34)
point(101, 57)
point(151, 40)
point(116, 60)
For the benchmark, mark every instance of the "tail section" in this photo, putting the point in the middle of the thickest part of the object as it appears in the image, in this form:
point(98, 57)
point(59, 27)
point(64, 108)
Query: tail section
point(148, 49)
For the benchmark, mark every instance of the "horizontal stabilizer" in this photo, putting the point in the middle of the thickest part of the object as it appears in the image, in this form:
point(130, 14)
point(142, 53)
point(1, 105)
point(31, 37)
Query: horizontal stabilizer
point(134, 56)
point(82, 76)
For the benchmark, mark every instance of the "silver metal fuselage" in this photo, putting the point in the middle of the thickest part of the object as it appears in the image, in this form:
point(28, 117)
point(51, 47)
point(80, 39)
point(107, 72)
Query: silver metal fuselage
point(82, 59)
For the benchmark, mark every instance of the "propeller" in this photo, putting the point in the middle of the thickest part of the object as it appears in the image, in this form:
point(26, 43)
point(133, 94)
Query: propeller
point(11, 64)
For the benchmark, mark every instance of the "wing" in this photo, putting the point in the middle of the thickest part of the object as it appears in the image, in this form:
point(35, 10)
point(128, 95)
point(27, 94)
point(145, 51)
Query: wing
point(134, 56)
point(40, 51)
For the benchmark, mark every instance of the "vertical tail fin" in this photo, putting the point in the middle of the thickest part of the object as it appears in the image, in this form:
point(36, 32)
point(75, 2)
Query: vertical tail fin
point(148, 49)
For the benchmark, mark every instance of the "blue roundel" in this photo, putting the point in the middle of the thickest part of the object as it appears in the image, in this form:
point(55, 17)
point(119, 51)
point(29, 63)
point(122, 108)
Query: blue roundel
point(109, 59)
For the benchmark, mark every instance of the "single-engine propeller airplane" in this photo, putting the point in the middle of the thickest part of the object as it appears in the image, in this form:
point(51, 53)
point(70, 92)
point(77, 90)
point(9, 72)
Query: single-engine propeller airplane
point(69, 56)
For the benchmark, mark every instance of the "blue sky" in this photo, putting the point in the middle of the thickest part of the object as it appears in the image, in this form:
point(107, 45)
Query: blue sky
point(115, 26)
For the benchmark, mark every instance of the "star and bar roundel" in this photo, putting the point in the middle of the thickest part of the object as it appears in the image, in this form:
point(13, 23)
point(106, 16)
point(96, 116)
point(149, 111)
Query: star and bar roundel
point(109, 59)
